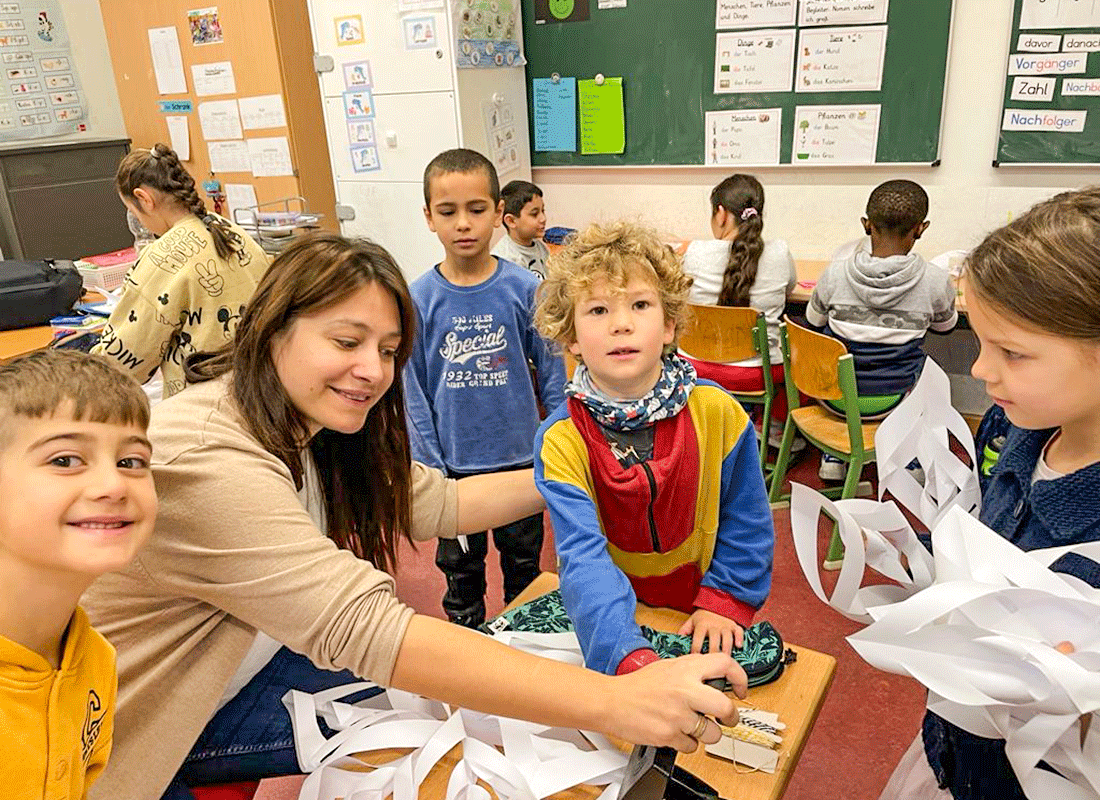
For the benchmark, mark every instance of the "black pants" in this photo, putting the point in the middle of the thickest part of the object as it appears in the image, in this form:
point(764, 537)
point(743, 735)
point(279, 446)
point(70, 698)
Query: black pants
point(519, 543)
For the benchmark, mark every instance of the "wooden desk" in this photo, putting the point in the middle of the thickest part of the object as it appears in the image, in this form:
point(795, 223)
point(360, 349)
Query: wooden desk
point(808, 272)
point(24, 340)
point(796, 698)
point(27, 340)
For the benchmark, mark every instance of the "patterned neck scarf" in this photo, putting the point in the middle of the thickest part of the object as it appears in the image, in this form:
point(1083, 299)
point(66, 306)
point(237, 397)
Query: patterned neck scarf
point(666, 399)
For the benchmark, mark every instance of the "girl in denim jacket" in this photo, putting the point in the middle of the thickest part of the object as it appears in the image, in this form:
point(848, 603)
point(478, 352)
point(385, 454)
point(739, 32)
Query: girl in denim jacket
point(1033, 296)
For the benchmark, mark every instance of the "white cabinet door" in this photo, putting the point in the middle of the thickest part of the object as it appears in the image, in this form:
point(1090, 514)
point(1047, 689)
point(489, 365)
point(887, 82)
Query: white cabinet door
point(409, 131)
point(353, 31)
point(392, 215)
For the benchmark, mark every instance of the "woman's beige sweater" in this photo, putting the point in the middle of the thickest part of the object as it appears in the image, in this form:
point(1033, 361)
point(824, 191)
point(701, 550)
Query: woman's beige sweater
point(234, 552)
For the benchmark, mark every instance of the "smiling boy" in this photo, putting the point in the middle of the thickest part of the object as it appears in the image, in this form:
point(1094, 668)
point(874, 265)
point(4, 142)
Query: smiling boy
point(74, 469)
point(651, 477)
point(472, 403)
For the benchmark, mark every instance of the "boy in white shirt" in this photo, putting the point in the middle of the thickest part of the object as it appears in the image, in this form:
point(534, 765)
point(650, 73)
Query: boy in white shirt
point(524, 224)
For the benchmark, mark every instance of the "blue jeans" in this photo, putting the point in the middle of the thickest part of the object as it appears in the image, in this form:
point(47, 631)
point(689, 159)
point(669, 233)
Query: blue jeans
point(251, 737)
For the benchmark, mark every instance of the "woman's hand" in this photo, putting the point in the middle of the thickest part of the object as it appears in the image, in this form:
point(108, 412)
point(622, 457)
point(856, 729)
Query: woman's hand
point(660, 704)
point(724, 634)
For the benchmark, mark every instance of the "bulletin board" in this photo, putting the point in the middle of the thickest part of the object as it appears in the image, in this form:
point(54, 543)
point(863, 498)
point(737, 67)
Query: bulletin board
point(665, 53)
point(1051, 112)
point(253, 58)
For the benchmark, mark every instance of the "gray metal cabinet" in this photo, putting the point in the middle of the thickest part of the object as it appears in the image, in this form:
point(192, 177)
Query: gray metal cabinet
point(59, 200)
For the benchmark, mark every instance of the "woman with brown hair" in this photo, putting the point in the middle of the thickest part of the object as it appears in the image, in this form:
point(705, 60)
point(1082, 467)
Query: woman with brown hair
point(285, 483)
point(187, 290)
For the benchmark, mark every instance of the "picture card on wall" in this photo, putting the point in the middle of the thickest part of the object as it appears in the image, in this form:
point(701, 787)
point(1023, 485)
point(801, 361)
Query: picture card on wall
point(841, 59)
point(361, 132)
point(357, 75)
point(747, 136)
point(359, 104)
point(754, 61)
point(365, 159)
point(835, 135)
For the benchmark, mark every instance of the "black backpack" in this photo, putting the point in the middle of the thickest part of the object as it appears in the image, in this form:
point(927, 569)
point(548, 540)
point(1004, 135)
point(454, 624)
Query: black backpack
point(33, 292)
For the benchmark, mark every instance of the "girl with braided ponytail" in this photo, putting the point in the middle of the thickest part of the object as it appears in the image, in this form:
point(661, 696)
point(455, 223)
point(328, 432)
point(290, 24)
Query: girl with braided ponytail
point(739, 268)
point(187, 289)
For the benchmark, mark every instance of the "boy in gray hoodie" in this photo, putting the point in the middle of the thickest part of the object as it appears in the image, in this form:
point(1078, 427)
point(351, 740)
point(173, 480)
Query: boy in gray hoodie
point(881, 303)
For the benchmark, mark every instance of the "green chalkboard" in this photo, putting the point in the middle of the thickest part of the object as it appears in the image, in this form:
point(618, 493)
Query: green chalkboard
point(665, 52)
point(1068, 146)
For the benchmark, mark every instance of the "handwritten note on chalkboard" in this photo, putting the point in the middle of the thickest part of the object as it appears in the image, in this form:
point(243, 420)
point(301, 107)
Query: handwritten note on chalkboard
point(555, 114)
point(603, 126)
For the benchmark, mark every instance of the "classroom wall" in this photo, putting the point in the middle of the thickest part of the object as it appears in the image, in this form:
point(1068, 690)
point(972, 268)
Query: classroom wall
point(93, 63)
point(816, 209)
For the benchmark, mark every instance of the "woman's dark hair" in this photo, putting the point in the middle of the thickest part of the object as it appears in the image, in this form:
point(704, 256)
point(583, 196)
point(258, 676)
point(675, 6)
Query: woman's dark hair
point(365, 476)
point(737, 194)
point(160, 168)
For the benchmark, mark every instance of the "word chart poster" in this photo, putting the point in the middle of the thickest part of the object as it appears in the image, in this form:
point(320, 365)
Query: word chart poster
point(40, 94)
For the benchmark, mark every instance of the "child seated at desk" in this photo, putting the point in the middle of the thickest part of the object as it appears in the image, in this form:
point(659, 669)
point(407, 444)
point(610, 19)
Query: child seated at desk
point(74, 469)
point(651, 477)
point(188, 288)
point(739, 268)
point(881, 303)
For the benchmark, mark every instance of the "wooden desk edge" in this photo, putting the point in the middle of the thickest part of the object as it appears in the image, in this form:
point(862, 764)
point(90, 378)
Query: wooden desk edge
point(814, 699)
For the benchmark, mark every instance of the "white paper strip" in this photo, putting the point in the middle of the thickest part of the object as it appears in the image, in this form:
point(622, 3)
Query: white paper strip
point(978, 623)
point(921, 427)
point(537, 761)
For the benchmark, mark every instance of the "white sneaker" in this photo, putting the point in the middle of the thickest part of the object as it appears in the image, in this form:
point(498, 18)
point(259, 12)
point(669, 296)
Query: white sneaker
point(832, 469)
point(775, 438)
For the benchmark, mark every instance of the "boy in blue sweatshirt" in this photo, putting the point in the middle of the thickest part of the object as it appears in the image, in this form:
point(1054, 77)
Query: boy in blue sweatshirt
point(470, 397)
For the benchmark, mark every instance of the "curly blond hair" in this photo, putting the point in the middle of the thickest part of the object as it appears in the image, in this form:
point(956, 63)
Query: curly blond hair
point(616, 252)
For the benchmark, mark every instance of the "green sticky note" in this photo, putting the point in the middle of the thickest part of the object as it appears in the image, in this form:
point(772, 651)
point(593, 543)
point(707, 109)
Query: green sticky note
point(603, 127)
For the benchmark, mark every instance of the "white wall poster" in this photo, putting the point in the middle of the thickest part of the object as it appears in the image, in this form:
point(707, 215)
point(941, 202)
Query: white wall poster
point(262, 111)
point(754, 13)
point(270, 156)
point(843, 12)
point(835, 135)
point(746, 136)
point(214, 78)
point(164, 45)
point(41, 91)
point(841, 59)
point(1059, 14)
point(753, 61)
point(220, 120)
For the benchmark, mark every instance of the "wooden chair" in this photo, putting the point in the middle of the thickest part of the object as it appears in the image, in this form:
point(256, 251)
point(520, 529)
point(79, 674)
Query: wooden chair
point(722, 334)
point(821, 368)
